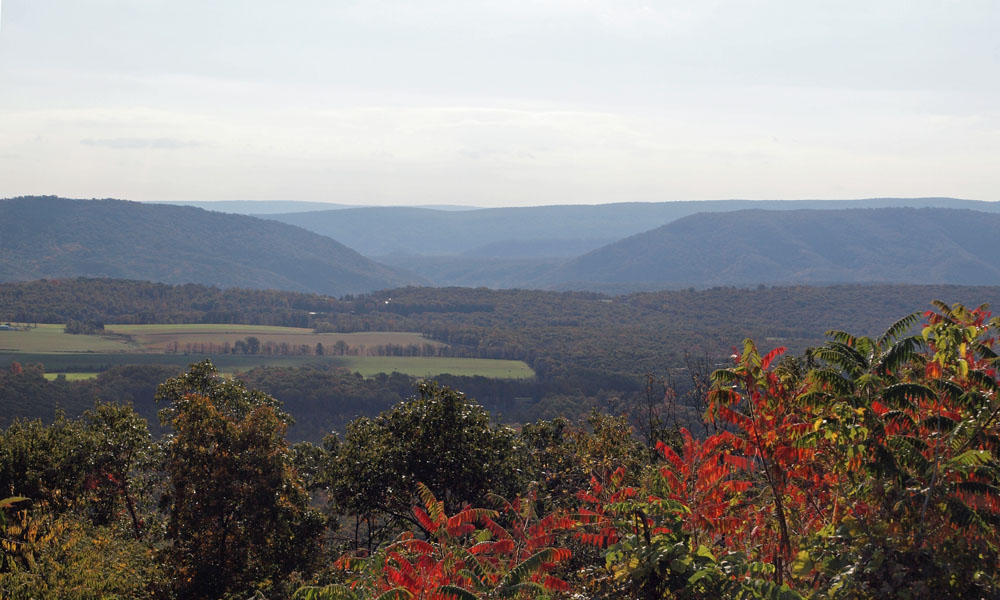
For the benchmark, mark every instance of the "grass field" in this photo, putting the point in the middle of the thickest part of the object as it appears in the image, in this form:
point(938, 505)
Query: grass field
point(95, 362)
point(51, 339)
point(87, 364)
point(161, 338)
point(157, 339)
point(82, 356)
point(71, 376)
point(428, 367)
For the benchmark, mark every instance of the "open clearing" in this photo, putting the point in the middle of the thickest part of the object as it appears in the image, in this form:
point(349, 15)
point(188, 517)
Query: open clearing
point(53, 339)
point(71, 376)
point(95, 362)
point(85, 365)
point(158, 339)
point(429, 367)
point(83, 356)
point(164, 338)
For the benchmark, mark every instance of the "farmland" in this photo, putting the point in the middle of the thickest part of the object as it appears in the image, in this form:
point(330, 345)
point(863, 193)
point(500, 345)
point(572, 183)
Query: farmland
point(167, 338)
point(160, 339)
point(418, 366)
point(46, 339)
point(82, 356)
point(96, 362)
point(71, 376)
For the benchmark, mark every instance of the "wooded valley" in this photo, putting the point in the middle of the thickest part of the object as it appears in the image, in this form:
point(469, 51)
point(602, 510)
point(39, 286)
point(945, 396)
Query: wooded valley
point(173, 440)
point(865, 467)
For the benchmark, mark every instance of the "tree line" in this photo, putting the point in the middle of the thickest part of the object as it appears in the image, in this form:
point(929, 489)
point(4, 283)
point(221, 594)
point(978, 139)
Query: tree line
point(867, 467)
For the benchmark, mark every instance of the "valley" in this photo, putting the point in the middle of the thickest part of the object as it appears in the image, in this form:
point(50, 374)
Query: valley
point(537, 300)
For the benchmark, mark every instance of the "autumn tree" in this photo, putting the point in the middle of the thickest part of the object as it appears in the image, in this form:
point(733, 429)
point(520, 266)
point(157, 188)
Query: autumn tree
point(439, 438)
point(919, 433)
point(238, 512)
point(87, 464)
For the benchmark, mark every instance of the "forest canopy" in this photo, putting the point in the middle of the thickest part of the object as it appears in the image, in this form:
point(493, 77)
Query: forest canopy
point(868, 467)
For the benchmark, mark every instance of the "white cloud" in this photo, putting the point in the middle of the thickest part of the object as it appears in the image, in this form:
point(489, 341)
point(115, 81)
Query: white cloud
point(140, 143)
point(499, 102)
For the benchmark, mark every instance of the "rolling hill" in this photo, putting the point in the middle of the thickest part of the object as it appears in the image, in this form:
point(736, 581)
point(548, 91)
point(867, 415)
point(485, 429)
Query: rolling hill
point(892, 245)
point(541, 231)
point(49, 237)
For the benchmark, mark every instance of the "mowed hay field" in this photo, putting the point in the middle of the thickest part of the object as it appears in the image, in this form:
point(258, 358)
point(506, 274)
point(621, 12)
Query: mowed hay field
point(45, 339)
point(71, 376)
point(163, 338)
point(367, 366)
point(82, 356)
point(430, 366)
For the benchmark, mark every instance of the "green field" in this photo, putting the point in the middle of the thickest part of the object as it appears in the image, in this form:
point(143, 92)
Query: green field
point(70, 376)
point(163, 338)
point(84, 365)
point(428, 367)
point(158, 339)
point(95, 362)
point(45, 339)
point(83, 356)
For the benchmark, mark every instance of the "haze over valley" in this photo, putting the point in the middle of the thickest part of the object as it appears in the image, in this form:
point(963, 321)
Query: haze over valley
point(479, 299)
point(610, 247)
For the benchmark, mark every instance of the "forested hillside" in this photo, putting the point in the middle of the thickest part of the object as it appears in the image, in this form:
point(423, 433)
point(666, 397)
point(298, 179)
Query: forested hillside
point(48, 237)
point(561, 230)
point(548, 247)
point(892, 245)
point(127, 301)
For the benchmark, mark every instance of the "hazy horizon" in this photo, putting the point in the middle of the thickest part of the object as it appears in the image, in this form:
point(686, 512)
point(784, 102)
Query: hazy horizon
point(515, 103)
point(463, 207)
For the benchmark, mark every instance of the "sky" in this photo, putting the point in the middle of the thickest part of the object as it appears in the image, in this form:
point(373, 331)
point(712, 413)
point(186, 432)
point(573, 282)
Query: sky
point(499, 103)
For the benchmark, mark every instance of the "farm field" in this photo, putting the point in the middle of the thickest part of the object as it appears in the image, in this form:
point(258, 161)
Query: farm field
point(48, 338)
point(91, 362)
point(85, 365)
point(429, 366)
point(71, 376)
point(158, 339)
point(83, 356)
point(164, 338)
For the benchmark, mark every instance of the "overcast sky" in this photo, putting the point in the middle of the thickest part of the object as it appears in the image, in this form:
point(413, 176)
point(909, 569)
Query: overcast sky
point(499, 103)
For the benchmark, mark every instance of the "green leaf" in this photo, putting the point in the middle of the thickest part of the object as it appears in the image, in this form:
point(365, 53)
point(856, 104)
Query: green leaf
point(329, 592)
point(527, 567)
point(456, 592)
point(10, 501)
point(802, 564)
point(972, 458)
point(396, 594)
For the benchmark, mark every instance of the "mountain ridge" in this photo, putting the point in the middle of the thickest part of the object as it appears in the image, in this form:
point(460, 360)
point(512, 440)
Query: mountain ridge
point(50, 237)
point(382, 231)
point(862, 245)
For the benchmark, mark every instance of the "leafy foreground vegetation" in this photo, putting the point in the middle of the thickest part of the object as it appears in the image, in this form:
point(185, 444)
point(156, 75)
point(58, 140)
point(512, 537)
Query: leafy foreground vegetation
point(866, 468)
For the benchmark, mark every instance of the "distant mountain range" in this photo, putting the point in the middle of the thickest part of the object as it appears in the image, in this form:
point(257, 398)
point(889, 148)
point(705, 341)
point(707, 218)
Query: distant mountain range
point(48, 237)
point(889, 245)
point(560, 247)
point(260, 207)
point(556, 231)
point(267, 207)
